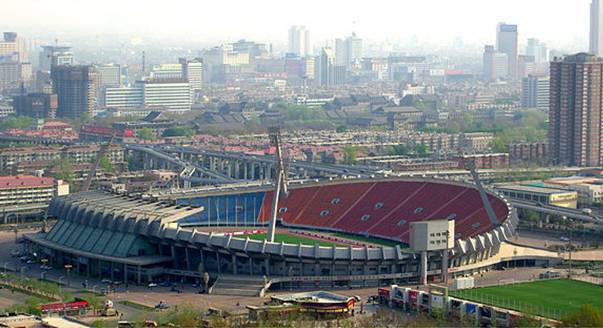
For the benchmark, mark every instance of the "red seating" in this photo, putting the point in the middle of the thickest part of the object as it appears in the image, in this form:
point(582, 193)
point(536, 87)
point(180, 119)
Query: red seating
point(385, 209)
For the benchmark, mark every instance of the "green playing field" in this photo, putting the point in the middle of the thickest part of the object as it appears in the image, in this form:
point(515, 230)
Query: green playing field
point(547, 298)
point(292, 239)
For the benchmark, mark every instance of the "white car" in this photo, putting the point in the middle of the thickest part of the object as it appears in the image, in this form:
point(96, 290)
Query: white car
point(152, 284)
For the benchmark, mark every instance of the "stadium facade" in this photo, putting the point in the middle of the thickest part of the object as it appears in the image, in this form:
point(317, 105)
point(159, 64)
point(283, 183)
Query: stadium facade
point(139, 240)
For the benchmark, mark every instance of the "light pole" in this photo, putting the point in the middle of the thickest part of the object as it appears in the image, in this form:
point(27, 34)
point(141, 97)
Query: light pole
point(68, 268)
point(61, 286)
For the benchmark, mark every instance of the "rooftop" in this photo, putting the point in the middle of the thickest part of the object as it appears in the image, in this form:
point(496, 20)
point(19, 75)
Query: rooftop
point(24, 181)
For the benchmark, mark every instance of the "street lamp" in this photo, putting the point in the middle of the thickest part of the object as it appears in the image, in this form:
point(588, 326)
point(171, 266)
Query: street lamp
point(68, 268)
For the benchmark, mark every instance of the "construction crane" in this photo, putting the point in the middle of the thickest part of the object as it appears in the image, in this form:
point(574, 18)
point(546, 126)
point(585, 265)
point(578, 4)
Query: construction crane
point(101, 153)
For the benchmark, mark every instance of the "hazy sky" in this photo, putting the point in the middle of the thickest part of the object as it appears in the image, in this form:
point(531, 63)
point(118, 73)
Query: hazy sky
point(556, 21)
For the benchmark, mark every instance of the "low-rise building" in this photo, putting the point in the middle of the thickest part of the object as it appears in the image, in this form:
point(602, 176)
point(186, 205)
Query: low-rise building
point(536, 194)
point(27, 189)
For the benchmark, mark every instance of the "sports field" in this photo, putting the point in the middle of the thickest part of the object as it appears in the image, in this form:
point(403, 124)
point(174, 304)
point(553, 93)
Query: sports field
point(292, 239)
point(547, 298)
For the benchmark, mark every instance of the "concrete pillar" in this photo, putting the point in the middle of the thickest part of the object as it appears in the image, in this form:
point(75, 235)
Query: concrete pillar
point(139, 275)
point(125, 274)
point(202, 261)
point(174, 259)
point(112, 271)
point(234, 264)
point(445, 267)
point(251, 266)
point(267, 266)
point(218, 261)
point(188, 259)
point(423, 268)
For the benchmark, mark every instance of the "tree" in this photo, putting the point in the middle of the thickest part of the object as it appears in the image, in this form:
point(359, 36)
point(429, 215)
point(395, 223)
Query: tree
point(17, 122)
point(145, 134)
point(498, 146)
point(105, 164)
point(587, 316)
point(421, 150)
point(178, 131)
point(349, 155)
point(399, 150)
point(64, 170)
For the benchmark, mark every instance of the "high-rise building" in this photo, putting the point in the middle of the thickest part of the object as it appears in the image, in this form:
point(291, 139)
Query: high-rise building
point(9, 44)
point(36, 105)
point(596, 28)
point(496, 64)
point(538, 50)
point(109, 75)
point(123, 98)
point(535, 92)
point(576, 86)
point(299, 41)
point(348, 50)
point(192, 71)
point(507, 43)
point(75, 87)
point(55, 56)
point(323, 67)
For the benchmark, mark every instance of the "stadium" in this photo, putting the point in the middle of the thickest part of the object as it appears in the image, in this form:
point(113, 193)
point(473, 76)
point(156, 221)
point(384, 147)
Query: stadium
point(349, 232)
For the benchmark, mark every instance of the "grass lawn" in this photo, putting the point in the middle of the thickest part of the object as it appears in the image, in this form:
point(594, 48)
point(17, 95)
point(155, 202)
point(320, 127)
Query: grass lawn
point(547, 298)
point(292, 239)
point(369, 240)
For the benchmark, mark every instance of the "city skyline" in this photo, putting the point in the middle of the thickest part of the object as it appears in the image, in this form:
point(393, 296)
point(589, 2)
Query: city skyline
point(471, 20)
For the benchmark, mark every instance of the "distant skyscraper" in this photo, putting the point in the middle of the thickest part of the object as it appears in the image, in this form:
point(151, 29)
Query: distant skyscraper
point(596, 28)
point(507, 43)
point(9, 45)
point(537, 50)
point(299, 41)
point(323, 67)
point(496, 64)
point(575, 137)
point(75, 87)
point(192, 71)
point(535, 92)
point(348, 50)
point(55, 55)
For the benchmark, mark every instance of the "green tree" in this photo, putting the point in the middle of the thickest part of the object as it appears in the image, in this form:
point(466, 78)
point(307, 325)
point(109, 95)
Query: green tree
point(17, 122)
point(64, 170)
point(421, 150)
point(145, 134)
point(587, 316)
point(105, 164)
point(498, 146)
point(178, 131)
point(399, 150)
point(349, 155)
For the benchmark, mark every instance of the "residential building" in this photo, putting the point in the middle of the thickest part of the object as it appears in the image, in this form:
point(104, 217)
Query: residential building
point(109, 75)
point(507, 43)
point(36, 105)
point(528, 152)
point(574, 134)
point(596, 28)
point(27, 189)
point(537, 50)
point(535, 92)
point(299, 41)
point(75, 87)
point(323, 67)
point(8, 45)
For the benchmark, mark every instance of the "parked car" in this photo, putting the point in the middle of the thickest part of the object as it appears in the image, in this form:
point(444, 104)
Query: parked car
point(152, 284)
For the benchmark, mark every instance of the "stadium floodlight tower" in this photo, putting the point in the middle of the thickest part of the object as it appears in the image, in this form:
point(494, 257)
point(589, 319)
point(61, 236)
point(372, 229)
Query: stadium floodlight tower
point(432, 236)
point(280, 179)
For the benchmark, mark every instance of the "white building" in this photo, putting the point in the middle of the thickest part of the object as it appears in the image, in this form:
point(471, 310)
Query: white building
point(26, 189)
point(537, 50)
point(55, 55)
point(596, 28)
point(323, 67)
point(192, 71)
point(174, 95)
point(496, 64)
point(299, 41)
point(123, 98)
point(535, 92)
point(166, 71)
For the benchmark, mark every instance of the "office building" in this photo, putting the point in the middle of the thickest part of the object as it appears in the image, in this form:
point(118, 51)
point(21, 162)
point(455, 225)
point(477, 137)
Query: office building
point(299, 41)
point(10, 74)
point(348, 51)
point(109, 75)
point(36, 105)
point(575, 110)
point(496, 64)
point(75, 87)
point(166, 71)
point(9, 44)
point(507, 43)
point(192, 71)
point(172, 94)
point(596, 28)
point(535, 92)
point(55, 56)
point(123, 98)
